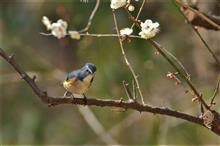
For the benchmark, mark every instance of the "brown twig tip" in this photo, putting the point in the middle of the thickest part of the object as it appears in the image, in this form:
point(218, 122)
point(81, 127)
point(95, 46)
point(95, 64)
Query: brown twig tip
point(11, 57)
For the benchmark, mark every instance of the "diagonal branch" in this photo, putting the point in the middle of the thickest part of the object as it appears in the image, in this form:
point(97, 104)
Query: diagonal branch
point(53, 101)
point(187, 80)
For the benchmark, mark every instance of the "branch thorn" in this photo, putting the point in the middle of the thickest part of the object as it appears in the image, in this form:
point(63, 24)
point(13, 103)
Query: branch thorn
point(11, 57)
point(45, 93)
point(34, 78)
point(23, 76)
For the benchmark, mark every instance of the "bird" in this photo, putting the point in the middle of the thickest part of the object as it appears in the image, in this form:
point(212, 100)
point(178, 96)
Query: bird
point(79, 81)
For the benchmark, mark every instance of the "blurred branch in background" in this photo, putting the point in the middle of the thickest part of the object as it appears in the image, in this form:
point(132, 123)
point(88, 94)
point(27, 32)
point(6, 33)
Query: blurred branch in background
point(188, 15)
point(198, 18)
point(125, 123)
point(96, 126)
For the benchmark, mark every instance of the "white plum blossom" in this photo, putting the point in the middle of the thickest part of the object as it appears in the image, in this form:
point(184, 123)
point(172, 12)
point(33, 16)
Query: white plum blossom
point(74, 34)
point(58, 29)
point(46, 22)
point(115, 4)
point(149, 29)
point(126, 31)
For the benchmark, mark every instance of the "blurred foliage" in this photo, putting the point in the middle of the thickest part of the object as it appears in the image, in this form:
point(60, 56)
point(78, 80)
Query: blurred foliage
point(26, 120)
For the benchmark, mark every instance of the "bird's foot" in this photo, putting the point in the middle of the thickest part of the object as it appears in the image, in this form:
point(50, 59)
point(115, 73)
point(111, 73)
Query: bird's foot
point(85, 99)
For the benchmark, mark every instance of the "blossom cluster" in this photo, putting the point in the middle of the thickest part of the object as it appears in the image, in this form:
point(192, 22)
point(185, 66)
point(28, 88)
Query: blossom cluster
point(115, 4)
point(59, 28)
point(148, 29)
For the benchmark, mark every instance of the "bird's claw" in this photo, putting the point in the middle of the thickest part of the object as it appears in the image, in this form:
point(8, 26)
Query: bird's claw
point(85, 99)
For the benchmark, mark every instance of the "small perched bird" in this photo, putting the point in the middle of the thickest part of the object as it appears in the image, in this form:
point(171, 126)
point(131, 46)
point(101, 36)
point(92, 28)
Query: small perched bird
point(79, 81)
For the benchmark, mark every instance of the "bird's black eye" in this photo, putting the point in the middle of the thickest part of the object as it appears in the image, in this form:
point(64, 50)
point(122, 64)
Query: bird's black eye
point(87, 71)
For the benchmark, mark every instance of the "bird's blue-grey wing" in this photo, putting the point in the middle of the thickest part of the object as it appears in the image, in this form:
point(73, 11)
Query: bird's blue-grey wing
point(73, 75)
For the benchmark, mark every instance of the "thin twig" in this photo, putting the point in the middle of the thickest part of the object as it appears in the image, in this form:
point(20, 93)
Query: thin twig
point(91, 17)
point(95, 35)
point(199, 14)
point(53, 101)
point(126, 59)
point(215, 92)
point(139, 12)
point(133, 19)
point(200, 36)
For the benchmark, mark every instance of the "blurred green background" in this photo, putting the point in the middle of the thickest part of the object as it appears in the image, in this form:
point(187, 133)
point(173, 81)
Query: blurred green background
point(26, 120)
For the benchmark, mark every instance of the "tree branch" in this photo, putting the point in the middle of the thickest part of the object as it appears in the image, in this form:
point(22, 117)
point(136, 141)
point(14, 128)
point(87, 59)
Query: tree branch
point(53, 101)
